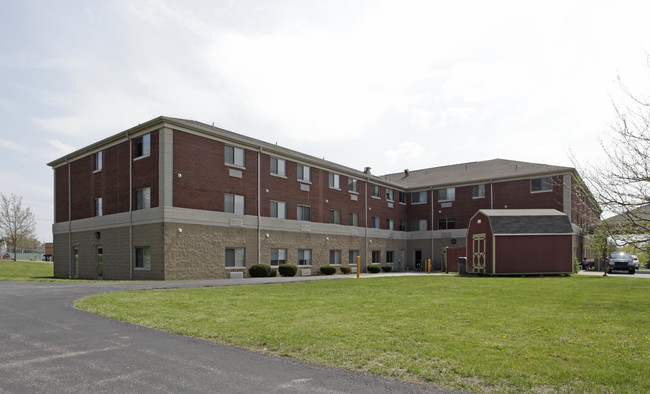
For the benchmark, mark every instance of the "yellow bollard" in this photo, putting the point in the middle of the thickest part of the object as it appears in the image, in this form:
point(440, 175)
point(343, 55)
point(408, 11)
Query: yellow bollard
point(358, 265)
point(428, 266)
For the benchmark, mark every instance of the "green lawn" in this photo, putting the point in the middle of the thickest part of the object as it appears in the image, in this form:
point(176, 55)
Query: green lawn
point(477, 334)
point(38, 271)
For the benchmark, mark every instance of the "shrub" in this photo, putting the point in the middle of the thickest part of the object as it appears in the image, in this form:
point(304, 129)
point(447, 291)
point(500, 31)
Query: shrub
point(288, 270)
point(260, 270)
point(346, 269)
point(373, 269)
point(387, 268)
point(328, 270)
point(273, 272)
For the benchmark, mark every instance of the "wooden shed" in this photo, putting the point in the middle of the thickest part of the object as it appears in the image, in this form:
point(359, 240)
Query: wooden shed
point(519, 241)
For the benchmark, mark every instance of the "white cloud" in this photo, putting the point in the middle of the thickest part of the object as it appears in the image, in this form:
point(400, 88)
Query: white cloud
point(406, 151)
point(20, 148)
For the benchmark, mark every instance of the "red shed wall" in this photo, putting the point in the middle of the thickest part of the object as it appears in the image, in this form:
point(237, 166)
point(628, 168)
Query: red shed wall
point(533, 254)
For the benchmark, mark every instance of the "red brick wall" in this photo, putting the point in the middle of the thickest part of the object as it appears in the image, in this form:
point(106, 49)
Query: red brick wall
point(205, 177)
point(111, 183)
point(517, 195)
point(418, 211)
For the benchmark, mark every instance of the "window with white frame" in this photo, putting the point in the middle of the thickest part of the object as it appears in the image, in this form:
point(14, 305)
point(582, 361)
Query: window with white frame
point(389, 194)
point(304, 256)
point(234, 204)
point(402, 197)
point(99, 209)
point(541, 184)
point(143, 257)
point(235, 257)
point(142, 146)
point(143, 198)
point(418, 197)
point(402, 225)
point(335, 216)
point(335, 257)
point(353, 185)
point(304, 173)
point(419, 225)
point(375, 222)
point(278, 209)
point(98, 161)
point(375, 191)
point(278, 257)
point(335, 181)
point(478, 191)
point(446, 224)
point(304, 213)
point(234, 156)
point(390, 256)
point(448, 194)
point(353, 219)
point(376, 256)
point(278, 167)
point(352, 257)
point(389, 223)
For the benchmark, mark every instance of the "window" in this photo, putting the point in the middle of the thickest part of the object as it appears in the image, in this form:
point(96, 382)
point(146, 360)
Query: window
point(335, 181)
point(304, 173)
point(234, 156)
point(389, 194)
point(402, 225)
point(541, 185)
point(98, 206)
point(304, 213)
point(143, 257)
point(376, 256)
point(478, 191)
point(418, 197)
point(448, 194)
point(235, 257)
point(335, 257)
point(352, 255)
point(353, 219)
point(390, 256)
point(143, 198)
point(278, 256)
point(402, 197)
point(375, 222)
point(98, 161)
point(278, 167)
point(278, 209)
point(389, 224)
point(335, 216)
point(234, 204)
point(419, 225)
point(375, 191)
point(142, 146)
point(446, 224)
point(304, 256)
point(353, 185)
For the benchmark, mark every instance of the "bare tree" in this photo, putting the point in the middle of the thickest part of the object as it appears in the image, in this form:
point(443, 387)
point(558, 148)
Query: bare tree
point(17, 224)
point(621, 183)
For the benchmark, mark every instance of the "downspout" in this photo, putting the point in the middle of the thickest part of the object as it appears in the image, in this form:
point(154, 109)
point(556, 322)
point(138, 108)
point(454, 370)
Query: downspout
point(259, 219)
point(432, 226)
point(128, 138)
point(365, 224)
point(70, 256)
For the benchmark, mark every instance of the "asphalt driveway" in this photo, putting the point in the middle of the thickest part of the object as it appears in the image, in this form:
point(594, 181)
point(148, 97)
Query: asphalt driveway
point(46, 345)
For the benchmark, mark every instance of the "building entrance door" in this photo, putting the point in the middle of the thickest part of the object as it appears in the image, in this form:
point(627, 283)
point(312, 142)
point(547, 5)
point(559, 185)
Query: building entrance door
point(100, 262)
point(418, 259)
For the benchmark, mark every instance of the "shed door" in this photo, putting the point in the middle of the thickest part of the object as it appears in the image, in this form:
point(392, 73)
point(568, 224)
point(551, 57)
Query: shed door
point(478, 252)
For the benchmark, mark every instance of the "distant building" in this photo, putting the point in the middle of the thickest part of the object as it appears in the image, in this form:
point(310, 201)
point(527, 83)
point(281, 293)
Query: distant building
point(179, 199)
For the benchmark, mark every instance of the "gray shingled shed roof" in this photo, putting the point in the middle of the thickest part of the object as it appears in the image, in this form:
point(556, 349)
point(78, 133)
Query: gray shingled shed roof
point(474, 173)
point(528, 221)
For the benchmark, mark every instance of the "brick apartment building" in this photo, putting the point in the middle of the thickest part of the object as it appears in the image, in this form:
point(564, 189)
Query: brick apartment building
point(179, 199)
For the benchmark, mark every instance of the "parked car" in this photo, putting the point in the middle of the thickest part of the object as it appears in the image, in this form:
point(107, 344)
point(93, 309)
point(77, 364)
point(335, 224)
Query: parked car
point(621, 261)
point(636, 261)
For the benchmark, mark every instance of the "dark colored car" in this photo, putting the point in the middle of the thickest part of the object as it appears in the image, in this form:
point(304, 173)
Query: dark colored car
point(621, 261)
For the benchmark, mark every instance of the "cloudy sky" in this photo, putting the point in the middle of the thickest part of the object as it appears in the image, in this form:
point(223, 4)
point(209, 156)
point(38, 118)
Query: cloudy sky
point(385, 84)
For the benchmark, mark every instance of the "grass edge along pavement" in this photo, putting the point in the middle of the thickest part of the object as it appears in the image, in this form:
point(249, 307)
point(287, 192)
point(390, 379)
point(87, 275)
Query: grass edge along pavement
point(470, 333)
